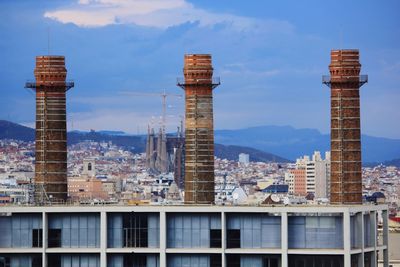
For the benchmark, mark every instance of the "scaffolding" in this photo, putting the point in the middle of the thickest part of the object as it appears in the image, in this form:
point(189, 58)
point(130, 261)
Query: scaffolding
point(41, 196)
point(341, 100)
point(198, 84)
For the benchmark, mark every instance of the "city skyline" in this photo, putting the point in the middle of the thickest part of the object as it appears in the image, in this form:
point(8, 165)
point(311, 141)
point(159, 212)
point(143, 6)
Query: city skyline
point(258, 50)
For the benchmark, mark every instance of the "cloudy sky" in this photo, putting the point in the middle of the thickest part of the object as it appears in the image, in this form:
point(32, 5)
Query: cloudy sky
point(270, 56)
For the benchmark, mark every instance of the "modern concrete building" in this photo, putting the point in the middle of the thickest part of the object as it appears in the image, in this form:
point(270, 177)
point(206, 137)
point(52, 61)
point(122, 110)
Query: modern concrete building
point(177, 236)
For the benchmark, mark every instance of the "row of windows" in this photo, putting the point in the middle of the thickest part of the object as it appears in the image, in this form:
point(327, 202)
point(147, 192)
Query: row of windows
point(184, 230)
point(178, 260)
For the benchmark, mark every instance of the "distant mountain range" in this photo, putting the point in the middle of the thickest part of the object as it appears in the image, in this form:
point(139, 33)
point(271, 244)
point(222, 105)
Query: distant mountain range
point(135, 143)
point(264, 143)
point(291, 143)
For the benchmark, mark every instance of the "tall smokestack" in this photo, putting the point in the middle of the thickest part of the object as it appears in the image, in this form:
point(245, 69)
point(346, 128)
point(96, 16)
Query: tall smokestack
point(345, 82)
point(199, 138)
point(51, 128)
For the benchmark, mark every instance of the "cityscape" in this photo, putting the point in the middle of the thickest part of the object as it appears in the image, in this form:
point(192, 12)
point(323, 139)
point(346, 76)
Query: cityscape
point(179, 191)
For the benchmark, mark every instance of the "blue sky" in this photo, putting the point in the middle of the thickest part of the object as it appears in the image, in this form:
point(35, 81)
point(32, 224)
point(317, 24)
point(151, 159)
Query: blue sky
point(270, 56)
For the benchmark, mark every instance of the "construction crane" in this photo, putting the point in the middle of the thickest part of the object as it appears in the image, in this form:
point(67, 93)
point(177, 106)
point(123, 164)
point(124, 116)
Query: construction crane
point(164, 101)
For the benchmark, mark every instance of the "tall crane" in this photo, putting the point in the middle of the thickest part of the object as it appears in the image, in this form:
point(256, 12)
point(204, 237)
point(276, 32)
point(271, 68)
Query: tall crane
point(164, 101)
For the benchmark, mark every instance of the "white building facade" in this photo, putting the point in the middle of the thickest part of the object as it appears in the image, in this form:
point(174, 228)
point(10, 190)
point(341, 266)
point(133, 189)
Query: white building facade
point(244, 159)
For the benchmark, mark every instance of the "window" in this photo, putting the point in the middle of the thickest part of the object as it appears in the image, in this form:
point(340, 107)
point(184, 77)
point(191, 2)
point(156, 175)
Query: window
point(89, 166)
point(37, 261)
point(272, 263)
point(232, 260)
point(54, 260)
point(5, 262)
point(54, 238)
point(135, 230)
point(215, 238)
point(233, 238)
point(137, 260)
point(37, 235)
point(215, 260)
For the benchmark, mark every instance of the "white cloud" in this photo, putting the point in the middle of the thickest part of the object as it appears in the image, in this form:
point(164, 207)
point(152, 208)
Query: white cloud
point(128, 120)
point(154, 13)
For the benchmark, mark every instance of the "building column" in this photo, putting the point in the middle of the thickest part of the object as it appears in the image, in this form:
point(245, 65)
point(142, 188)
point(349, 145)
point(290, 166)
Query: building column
point(44, 238)
point(360, 236)
point(223, 238)
point(346, 238)
point(284, 239)
point(103, 239)
point(385, 235)
point(163, 239)
point(374, 258)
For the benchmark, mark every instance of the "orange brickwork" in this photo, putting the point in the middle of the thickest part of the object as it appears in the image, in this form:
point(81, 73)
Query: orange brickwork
point(346, 182)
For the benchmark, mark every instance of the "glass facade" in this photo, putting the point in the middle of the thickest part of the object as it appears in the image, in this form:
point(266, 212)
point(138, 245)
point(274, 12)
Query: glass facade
point(21, 231)
point(248, 260)
point(190, 230)
point(194, 260)
point(368, 230)
point(254, 230)
point(73, 260)
point(136, 260)
point(315, 261)
point(133, 229)
point(74, 230)
point(315, 232)
point(18, 260)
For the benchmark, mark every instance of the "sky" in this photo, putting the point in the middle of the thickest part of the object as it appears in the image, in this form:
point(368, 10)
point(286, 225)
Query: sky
point(269, 55)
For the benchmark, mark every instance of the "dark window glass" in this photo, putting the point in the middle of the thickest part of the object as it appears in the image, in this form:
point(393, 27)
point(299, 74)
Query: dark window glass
point(136, 260)
point(135, 230)
point(273, 263)
point(215, 260)
point(232, 260)
point(215, 238)
point(54, 238)
point(37, 235)
point(5, 262)
point(233, 238)
point(37, 261)
point(54, 260)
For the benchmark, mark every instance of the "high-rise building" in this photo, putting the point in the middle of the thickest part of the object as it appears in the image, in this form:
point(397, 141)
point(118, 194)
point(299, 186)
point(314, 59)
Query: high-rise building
point(51, 128)
point(244, 159)
point(345, 82)
point(310, 176)
point(296, 180)
point(198, 84)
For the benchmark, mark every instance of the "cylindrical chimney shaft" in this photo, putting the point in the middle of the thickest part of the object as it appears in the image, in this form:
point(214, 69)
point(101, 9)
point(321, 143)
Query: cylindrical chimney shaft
point(199, 137)
point(345, 82)
point(51, 129)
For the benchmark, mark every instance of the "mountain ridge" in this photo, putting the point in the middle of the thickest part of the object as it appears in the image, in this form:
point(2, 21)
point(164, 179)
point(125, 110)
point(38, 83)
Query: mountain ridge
point(289, 142)
point(135, 143)
point(284, 142)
